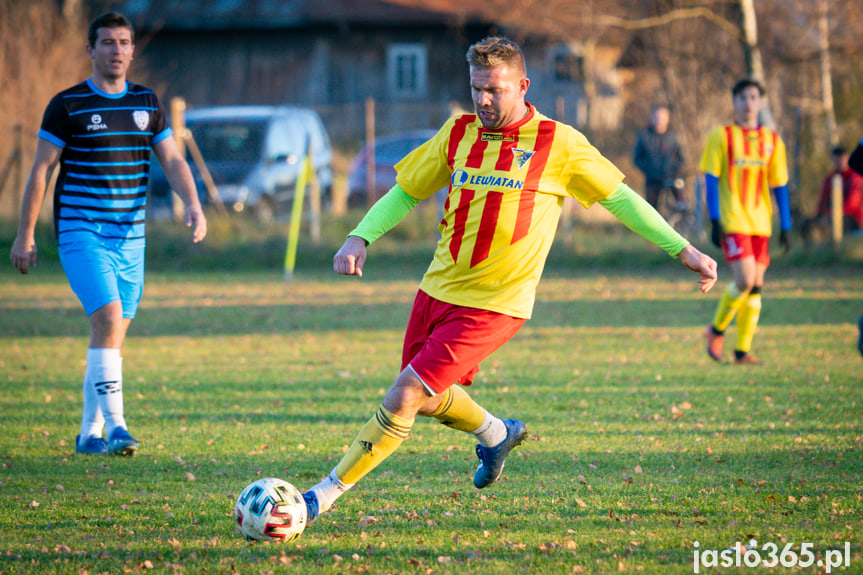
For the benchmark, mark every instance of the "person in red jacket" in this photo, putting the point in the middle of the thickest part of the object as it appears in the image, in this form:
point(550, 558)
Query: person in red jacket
point(852, 198)
point(855, 162)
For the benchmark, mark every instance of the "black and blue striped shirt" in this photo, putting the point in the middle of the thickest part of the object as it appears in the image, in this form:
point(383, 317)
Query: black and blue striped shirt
point(105, 163)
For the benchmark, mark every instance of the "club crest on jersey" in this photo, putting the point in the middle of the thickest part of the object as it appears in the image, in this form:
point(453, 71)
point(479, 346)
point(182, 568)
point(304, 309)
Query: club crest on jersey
point(522, 156)
point(142, 119)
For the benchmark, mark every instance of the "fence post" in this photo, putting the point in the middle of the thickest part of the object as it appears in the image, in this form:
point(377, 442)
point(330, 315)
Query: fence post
point(314, 197)
point(371, 185)
point(178, 125)
point(212, 191)
point(837, 204)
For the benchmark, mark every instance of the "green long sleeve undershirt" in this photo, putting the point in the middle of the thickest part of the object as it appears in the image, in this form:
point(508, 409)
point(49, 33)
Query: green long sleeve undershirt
point(639, 216)
point(626, 205)
point(385, 214)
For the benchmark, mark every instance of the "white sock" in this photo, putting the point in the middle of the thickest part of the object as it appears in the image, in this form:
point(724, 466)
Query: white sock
point(491, 432)
point(328, 490)
point(92, 421)
point(105, 371)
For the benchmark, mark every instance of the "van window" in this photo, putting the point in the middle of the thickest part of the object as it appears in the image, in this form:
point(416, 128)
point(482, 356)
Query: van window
point(286, 138)
point(229, 140)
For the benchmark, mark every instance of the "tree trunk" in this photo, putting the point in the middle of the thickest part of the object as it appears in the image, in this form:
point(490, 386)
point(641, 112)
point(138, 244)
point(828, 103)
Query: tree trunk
point(826, 74)
point(72, 11)
point(754, 67)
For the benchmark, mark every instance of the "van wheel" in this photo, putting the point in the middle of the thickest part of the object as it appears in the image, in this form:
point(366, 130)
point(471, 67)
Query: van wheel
point(265, 212)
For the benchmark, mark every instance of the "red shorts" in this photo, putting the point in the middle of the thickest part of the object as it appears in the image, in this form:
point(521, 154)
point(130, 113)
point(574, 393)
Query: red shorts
point(444, 343)
point(739, 246)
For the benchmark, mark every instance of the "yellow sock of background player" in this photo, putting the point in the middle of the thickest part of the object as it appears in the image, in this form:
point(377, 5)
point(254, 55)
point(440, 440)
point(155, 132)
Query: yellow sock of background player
point(747, 320)
point(729, 303)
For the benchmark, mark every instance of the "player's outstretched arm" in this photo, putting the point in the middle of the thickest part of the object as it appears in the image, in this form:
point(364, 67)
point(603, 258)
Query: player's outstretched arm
point(381, 217)
point(700, 263)
point(351, 257)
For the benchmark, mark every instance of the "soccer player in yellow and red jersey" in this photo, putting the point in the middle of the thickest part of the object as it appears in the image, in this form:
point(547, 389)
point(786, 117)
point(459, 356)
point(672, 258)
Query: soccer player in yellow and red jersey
point(509, 169)
point(742, 162)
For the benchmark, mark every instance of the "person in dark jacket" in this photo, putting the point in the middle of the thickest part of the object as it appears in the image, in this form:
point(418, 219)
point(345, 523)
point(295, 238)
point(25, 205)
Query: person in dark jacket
point(659, 156)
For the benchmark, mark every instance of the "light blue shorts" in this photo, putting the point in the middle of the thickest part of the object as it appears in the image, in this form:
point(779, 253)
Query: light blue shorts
point(101, 271)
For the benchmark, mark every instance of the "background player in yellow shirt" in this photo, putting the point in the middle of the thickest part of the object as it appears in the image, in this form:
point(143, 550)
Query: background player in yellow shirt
point(742, 162)
point(509, 169)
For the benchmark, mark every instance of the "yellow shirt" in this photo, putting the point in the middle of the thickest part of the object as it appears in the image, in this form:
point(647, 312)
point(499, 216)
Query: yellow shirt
point(506, 189)
point(748, 163)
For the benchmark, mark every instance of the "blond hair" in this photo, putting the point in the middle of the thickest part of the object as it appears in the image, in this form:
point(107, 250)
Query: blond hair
point(494, 52)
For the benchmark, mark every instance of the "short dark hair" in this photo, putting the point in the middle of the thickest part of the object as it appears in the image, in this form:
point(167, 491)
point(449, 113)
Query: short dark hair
point(746, 83)
point(838, 151)
point(496, 51)
point(108, 20)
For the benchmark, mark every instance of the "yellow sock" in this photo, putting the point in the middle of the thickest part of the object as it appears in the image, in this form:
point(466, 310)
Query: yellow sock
point(747, 322)
point(380, 437)
point(459, 411)
point(729, 303)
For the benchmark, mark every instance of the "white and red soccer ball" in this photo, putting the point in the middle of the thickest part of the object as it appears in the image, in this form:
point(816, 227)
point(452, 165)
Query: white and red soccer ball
point(271, 509)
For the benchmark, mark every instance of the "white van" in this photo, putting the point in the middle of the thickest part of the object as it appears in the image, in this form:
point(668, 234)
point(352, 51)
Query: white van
point(254, 155)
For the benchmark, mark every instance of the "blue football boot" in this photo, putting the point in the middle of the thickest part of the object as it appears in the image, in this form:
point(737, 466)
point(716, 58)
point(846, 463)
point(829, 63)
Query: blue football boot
point(121, 443)
point(91, 445)
point(491, 459)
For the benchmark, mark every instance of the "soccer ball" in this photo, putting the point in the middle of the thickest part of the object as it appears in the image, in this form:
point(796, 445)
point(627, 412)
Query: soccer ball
point(271, 509)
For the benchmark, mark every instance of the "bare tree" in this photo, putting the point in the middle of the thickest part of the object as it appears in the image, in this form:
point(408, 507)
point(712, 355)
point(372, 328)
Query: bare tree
point(752, 51)
point(41, 53)
point(826, 73)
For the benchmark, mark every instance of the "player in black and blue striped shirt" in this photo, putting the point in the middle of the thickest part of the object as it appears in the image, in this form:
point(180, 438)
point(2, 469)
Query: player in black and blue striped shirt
point(101, 132)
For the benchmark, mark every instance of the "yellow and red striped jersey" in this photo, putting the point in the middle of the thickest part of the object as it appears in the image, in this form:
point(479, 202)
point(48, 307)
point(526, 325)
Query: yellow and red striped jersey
point(506, 189)
point(748, 163)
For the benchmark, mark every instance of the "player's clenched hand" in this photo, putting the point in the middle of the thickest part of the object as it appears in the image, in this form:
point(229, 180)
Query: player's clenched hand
point(351, 257)
point(699, 263)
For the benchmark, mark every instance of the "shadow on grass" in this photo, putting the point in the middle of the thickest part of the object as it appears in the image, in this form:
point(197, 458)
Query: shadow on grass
point(249, 319)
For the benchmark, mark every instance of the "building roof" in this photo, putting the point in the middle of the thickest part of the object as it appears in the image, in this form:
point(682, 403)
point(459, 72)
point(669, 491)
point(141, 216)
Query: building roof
point(263, 14)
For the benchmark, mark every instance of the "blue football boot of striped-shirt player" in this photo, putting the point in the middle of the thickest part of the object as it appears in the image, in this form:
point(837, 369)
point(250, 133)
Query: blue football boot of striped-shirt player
point(91, 445)
point(121, 443)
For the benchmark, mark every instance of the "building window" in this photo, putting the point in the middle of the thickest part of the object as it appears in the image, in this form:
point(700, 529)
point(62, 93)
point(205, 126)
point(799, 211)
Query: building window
point(406, 70)
point(567, 66)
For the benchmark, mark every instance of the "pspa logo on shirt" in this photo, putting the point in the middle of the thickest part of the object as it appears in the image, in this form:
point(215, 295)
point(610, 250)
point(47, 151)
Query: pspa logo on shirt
point(96, 123)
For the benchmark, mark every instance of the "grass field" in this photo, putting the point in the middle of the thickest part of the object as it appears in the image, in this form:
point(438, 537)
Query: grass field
point(640, 446)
